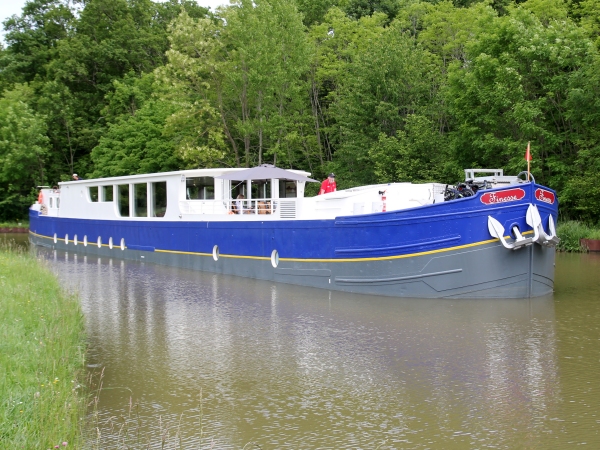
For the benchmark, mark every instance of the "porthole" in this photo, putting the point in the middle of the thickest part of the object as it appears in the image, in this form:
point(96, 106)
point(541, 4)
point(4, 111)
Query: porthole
point(55, 238)
point(122, 243)
point(66, 238)
point(216, 252)
point(99, 242)
point(274, 258)
point(85, 240)
point(110, 244)
point(75, 240)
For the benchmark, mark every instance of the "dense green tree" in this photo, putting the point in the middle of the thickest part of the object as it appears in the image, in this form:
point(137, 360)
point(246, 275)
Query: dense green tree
point(243, 81)
point(514, 89)
point(23, 149)
point(362, 8)
point(580, 196)
point(195, 72)
point(136, 140)
point(588, 12)
point(418, 152)
point(136, 144)
point(338, 41)
point(378, 91)
point(313, 11)
point(112, 39)
point(386, 85)
point(32, 39)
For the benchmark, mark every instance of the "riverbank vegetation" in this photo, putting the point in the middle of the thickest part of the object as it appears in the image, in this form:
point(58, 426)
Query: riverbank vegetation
point(15, 224)
point(376, 91)
point(571, 233)
point(41, 355)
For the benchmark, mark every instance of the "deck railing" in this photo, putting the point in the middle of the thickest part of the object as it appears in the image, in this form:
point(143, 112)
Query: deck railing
point(283, 208)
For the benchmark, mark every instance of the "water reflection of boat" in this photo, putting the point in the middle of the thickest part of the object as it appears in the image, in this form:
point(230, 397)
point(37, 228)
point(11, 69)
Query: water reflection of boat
point(492, 236)
point(432, 371)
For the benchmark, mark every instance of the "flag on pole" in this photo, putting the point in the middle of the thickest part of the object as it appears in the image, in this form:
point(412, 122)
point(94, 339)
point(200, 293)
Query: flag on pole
point(528, 153)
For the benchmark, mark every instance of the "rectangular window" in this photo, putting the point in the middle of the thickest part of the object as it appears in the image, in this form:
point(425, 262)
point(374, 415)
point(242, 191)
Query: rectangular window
point(107, 193)
point(93, 190)
point(123, 199)
point(261, 189)
point(287, 189)
point(140, 205)
point(159, 199)
point(238, 188)
point(200, 188)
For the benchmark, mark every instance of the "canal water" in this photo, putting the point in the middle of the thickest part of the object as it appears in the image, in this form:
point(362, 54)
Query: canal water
point(195, 360)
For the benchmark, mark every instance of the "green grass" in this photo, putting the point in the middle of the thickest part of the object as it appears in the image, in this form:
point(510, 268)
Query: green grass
point(571, 232)
point(41, 357)
point(20, 224)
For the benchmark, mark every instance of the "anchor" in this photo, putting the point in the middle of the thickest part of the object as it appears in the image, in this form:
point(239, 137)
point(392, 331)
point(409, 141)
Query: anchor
point(497, 230)
point(534, 220)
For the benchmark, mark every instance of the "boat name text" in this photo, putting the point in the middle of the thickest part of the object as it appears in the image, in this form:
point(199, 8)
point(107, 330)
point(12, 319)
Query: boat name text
point(510, 195)
point(544, 196)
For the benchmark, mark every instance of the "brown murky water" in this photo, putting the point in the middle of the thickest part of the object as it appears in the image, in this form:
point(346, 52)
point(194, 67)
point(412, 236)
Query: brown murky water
point(212, 361)
point(14, 239)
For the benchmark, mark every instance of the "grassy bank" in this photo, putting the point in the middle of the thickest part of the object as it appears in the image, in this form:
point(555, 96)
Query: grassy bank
point(21, 224)
point(41, 356)
point(571, 232)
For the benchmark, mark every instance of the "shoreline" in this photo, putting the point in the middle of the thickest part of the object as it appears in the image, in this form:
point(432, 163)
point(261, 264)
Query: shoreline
point(43, 353)
point(14, 230)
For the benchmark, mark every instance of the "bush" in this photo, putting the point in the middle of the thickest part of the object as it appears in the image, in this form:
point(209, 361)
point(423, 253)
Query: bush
point(571, 232)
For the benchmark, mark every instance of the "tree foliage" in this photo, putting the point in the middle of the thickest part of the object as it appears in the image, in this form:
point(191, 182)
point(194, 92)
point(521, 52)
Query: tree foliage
point(378, 91)
point(23, 149)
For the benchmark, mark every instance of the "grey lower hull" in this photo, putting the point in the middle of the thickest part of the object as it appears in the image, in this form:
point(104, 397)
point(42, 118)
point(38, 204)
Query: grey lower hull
point(483, 271)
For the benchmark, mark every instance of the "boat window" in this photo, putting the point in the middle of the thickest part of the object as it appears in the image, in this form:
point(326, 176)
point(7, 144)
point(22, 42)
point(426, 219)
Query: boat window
point(140, 204)
point(261, 189)
point(107, 193)
point(123, 199)
point(287, 189)
point(50, 202)
point(58, 202)
point(200, 188)
point(93, 190)
point(237, 188)
point(159, 198)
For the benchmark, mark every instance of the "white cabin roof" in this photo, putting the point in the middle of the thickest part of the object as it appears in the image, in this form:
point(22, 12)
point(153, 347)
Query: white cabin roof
point(164, 175)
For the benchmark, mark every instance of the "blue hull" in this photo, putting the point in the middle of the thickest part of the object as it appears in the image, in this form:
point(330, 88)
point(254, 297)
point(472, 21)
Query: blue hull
point(434, 251)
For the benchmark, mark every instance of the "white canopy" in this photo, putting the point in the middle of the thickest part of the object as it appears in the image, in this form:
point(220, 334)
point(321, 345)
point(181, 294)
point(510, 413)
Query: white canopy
point(265, 172)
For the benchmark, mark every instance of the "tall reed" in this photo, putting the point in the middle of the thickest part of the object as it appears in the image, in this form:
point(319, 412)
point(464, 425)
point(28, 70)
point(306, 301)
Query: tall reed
point(42, 346)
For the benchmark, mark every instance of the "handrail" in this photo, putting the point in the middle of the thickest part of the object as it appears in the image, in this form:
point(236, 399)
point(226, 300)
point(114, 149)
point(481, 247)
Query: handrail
point(252, 206)
point(284, 207)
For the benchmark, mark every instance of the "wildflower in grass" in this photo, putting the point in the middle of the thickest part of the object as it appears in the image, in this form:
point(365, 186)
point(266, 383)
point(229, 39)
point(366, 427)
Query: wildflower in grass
point(64, 444)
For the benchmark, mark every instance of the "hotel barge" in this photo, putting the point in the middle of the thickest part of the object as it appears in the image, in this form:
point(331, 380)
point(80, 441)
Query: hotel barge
point(492, 237)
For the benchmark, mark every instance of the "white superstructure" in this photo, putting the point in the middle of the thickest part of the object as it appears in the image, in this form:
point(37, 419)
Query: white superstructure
point(196, 195)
